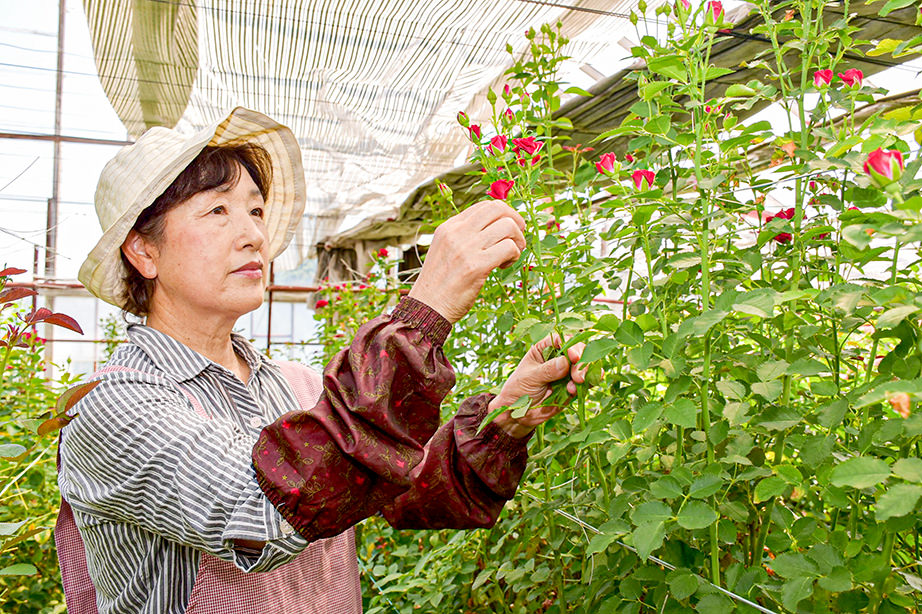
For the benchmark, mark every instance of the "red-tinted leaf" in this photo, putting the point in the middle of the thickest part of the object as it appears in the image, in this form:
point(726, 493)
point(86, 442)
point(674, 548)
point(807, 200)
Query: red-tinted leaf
point(38, 315)
point(14, 294)
point(70, 397)
point(66, 321)
point(11, 271)
point(54, 424)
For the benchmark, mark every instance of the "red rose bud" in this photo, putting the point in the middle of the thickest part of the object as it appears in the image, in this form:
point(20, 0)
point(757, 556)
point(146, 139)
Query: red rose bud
point(507, 91)
point(812, 185)
point(528, 144)
point(852, 77)
point(884, 166)
point(444, 190)
point(629, 157)
point(499, 189)
point(382, 253)
point(715, 11)
point(606, 163)
point(683, 6)
point(462, 119)
point(321, 303)
point(475, 131)
point(822, 78)
point(535, 159)
point(509, 116)
point(643, 178)
point(498, 143)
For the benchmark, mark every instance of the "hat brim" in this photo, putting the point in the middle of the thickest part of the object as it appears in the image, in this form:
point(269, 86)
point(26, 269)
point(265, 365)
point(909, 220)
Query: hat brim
point(102, 273)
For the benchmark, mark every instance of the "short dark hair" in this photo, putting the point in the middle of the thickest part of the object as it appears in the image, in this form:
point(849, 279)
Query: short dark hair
point(215, 166)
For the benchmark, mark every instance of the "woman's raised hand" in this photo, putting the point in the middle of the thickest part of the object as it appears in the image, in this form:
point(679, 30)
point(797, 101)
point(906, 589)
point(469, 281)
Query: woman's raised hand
point(465, 249)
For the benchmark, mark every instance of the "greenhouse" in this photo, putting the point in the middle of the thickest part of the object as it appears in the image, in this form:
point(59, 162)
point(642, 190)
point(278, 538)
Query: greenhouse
point(523, 306)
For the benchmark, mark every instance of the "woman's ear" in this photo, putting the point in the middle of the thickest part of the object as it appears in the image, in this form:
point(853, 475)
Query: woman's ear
point(141, 253)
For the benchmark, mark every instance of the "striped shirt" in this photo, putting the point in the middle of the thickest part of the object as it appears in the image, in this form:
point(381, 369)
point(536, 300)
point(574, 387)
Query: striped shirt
point(152, 483)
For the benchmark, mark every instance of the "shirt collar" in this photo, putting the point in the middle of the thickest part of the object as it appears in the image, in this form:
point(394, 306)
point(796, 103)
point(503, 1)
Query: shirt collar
point(181, 361)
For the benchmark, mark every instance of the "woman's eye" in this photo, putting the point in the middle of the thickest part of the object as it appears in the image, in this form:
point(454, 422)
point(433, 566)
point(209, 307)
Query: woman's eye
point(258, 212)
point(219, 209)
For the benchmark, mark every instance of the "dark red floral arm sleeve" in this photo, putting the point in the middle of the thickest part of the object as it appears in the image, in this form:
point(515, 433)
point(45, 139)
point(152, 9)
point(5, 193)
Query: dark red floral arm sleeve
point(360, 448)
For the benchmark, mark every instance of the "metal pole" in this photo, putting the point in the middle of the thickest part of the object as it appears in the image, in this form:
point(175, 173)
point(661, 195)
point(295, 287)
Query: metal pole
point(51, 217)
point(269, 326)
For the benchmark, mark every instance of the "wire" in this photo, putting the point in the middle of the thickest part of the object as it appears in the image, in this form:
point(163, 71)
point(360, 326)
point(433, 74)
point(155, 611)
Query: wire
point(21, 173)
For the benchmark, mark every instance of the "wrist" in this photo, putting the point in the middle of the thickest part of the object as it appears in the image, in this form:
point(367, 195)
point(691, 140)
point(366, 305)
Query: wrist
point(507, 423)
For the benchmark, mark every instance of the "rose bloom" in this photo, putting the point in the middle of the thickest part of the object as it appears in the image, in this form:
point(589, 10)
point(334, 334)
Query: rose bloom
point(643, 178)
point(498, 143)
point(606, 163)
point(822, 77)
point(321, 303)
point(528, 144)
point(784, 214)
point(475, 131)
point(382, 253)
point(884, 166)
point(852, 77)
point(715, 10)
point(499, 189)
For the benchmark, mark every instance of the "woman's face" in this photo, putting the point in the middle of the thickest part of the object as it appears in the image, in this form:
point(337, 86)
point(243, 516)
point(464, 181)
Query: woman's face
point(212, 259)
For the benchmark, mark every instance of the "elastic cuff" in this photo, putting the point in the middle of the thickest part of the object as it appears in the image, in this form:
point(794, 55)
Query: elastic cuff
point(420, 315)
point(499, 440)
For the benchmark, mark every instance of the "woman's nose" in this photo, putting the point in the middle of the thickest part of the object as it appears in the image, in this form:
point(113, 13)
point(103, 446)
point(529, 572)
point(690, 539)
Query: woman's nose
point(251, 232)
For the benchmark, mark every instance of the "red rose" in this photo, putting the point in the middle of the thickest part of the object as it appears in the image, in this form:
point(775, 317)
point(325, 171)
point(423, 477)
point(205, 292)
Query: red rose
point(852, 77)
point(643, 178)
point(321, 303)
point(382, 253)
point(629, 157)
point(606, 163)
point(715, 11)
point(475, 131)
point(499, 189)
point(528, 144)
point(822, 78)
point(884, 166)
point(784, 214)
point(498, 143)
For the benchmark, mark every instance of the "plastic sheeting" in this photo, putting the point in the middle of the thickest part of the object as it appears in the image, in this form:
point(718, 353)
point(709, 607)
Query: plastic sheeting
point(371, 89)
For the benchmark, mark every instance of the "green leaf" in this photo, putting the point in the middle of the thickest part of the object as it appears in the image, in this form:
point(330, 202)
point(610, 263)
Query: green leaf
point(648, 537)
point(629, 333)
point(732, 389)
point(683, 584)
point(646, 415)
point(909, 469)
point(609, 323)
point(578, 91)
point(806, 367)
point(771, 369)
point(683, 412)
point(893, 5)
point(768, 488)
point(11, 450)
point(10, 528)
point(651, 511)
point(793, 565)
point(599, 543)
point(19, 569)
point(714, 604)
point(521, 403)
point(699, 325)
point(482, 577)
point(670, 66)
point(705, 486)
point(794, 591)
point(598, 348)
point(667, 487)
point(658, 125)
point(860, 472)
point(837, 581)
point(899, 500)
point(894, 316)
point(768, 390)
point(696, 515)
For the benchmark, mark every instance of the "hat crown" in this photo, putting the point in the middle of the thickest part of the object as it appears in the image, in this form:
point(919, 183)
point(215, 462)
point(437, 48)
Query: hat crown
point(119, 186)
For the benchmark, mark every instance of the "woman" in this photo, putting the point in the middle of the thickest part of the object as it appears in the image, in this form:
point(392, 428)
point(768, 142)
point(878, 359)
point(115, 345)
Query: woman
point(196, 460)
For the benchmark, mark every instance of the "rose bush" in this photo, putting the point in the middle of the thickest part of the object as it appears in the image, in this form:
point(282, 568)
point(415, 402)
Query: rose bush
point(754, 434)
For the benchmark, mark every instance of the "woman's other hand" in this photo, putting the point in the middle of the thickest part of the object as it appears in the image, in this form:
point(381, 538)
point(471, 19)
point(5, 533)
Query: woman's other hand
point(533, 377)
point(465, 249)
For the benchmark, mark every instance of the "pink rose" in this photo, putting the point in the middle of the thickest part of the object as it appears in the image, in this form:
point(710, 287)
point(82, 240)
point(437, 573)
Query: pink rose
point(852, 77)
point(822, 78)
point(499, 189)
point(715, 11)
point(321, 303)
point(498, 143)
point(475, 131)
point(528, 144)
point(884, 166)
point(684, 5)
point(606, 163)
point(643, 178)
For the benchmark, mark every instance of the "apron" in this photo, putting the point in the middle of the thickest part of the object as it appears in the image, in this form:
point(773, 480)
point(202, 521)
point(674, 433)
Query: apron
point(323, 579)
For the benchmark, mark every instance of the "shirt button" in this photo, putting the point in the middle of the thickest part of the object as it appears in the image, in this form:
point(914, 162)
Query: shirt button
point(286, 528)
point(256, 422)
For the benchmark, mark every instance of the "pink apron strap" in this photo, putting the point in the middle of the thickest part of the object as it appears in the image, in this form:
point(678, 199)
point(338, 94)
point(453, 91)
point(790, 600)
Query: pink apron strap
point(79, 592)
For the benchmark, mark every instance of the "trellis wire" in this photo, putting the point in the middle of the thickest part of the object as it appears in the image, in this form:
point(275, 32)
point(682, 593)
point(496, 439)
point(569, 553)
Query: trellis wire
point(658, 561)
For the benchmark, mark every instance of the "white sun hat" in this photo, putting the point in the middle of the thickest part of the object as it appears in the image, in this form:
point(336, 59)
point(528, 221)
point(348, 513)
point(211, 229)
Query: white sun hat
point(141, 172)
